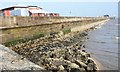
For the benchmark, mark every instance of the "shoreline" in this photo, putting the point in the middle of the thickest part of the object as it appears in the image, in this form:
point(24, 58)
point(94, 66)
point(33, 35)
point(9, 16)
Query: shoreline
point(97, 63)
point(91, 25)
point(82, 31)
point(103, 46)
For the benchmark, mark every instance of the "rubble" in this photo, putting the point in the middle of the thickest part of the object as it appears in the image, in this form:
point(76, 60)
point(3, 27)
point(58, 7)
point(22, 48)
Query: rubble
point(56, 53)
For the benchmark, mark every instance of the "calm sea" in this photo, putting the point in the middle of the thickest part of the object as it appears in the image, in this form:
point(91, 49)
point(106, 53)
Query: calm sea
point(103, 45)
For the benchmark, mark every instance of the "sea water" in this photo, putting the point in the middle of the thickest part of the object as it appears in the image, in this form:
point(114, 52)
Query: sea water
point(103, 45)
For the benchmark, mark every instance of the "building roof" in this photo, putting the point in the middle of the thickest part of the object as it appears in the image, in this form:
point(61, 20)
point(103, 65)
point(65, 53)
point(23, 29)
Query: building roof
point(18, 6)
point(38, 11)
point(41, 11)
point(32, 6)
point(15, 6)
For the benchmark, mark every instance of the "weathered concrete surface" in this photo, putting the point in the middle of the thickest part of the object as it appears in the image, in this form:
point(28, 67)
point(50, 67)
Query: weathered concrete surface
point(18, 21)
point(28, 30)
point(0, 36)
point(84, 27)
point(9, 60)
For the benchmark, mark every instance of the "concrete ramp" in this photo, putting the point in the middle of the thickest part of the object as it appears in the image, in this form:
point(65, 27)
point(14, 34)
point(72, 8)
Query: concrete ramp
point(10, 60)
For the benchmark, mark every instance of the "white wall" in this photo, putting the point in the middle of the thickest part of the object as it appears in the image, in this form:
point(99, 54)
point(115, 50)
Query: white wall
point(24, 12)
point(20, 12)
point(1, 14)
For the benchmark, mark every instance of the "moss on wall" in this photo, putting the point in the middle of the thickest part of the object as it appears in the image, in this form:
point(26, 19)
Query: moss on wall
point(23, 40)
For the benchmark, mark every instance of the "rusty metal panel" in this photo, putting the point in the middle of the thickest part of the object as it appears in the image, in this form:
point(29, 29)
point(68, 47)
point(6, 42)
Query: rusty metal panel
point(6, 12)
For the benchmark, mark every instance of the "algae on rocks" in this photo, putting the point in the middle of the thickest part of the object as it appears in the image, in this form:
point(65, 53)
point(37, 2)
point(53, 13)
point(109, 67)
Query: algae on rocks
point(66, 31)
point(55, 53)
point(23, 40)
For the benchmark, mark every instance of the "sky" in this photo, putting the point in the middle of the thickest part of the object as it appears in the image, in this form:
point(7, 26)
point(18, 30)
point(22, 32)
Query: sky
point(71, 8)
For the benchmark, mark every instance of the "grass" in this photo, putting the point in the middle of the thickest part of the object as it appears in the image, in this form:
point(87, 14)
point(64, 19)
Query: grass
point(23, 40)
point(66, 31)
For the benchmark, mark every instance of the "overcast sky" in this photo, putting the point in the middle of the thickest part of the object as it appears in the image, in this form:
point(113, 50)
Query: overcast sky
point(71, 8)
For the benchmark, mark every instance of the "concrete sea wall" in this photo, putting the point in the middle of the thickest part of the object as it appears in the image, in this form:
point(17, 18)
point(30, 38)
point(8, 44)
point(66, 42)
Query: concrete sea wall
point(28, 21)
point(10, 60)
point(23, 27)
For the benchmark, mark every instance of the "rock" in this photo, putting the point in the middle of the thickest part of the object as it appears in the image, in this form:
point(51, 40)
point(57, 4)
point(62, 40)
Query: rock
point(80, 63)
point(75, 50)
point(83, 53)
point(47, 66)
point(83, 50)
point(90, 66)
point(66, 57)
point(53, 68)
point(58, 53)
point(83, 57)
point(73, 65)
point(52, 55)
point(12, 62)
point(67, 61)
point(61, 33)
point(82, 70)
point(45, 61)
point(87, 38)
point(90, 60)
point(61, 67)
point(83, 46)
point(75, 70)
point(87, 55)
point(79, 48)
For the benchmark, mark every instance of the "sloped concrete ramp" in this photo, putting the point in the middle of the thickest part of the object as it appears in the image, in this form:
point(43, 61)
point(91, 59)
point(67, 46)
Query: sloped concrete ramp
point(10, 60)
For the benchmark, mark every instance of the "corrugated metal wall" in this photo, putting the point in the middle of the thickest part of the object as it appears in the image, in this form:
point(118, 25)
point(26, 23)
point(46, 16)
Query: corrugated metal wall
point(24, 12)
point(6, 12)
point(20, 12)
point(2, 14)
